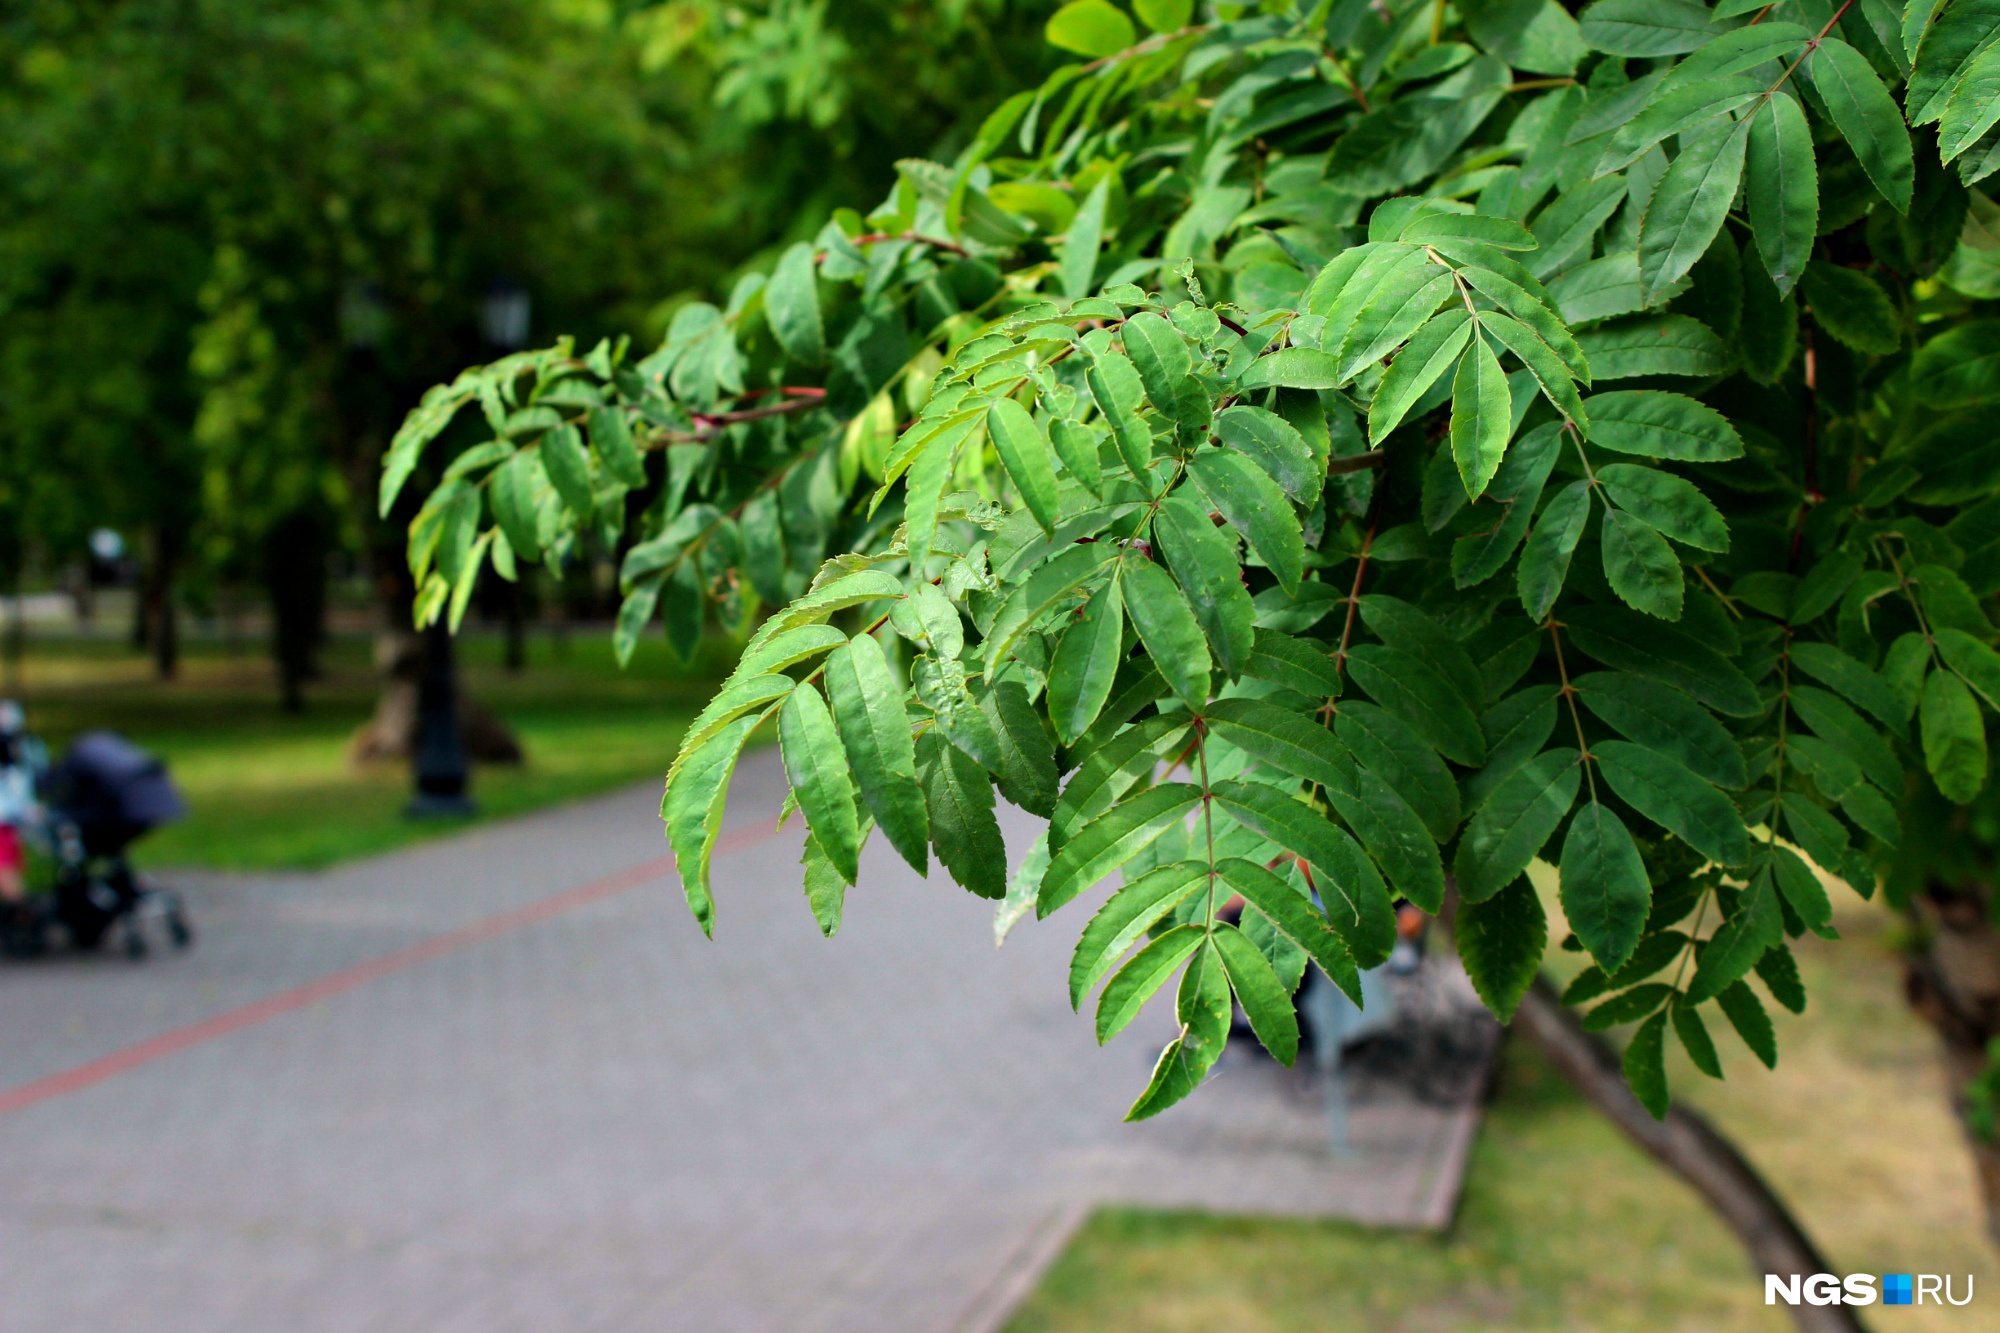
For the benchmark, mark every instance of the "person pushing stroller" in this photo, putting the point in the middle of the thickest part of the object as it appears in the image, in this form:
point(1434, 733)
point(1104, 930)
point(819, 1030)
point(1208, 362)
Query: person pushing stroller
point(104, 795)
point(23, 760)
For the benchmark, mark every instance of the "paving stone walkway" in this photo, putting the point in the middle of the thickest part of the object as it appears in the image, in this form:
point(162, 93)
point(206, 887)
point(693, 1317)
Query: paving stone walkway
point(596, 1120)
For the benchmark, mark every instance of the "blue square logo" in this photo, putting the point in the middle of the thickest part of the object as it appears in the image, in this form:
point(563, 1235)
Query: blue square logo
point(1897, 1289)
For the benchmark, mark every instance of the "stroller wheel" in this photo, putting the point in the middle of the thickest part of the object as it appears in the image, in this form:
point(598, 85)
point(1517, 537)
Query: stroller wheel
point(135, 943)
point(21, 933)
point(179, 931)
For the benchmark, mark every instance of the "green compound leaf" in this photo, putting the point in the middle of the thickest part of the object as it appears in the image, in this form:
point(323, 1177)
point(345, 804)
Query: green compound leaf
point(1835, 669)
point(1604, 888)
point(1431, 351)
point(1661, 425)
point(1959, 367)
point(1866, 116)
point(1646, 1066)
point(1386, 745)
point(1671, 505)
point(1508, 830)
point(1694, 1037)
point(1666, 792)
point(1515, 489)
point(791, 304)
point(1732, 951)
point(1296, 918)
point(1500, 941)
point(1663, 719)
point(1853, 308)
point(1027, 773)
point(1124, 920)
point(1166, 623)
point(1204, 563)
point(1656, 345)
point(1275, 445)
point(1623, 639)
point(1029, 460)
point(1481, 417)
point(1954, 737)
point(1266, 1001)
point(1112, 839)
point(1119, 393)
point(1141, 978)
point(1801, 889)
point(1256, 507)
point(1746, 1014)
point(693, 809)
point(1286, 741)
point(1641, 567)
point(1545, 559)
point(1091, 28)
point(1976, 663)
point(1356, 900)
point(1688, 208)
point(1645, 27)
point(1166, 368)
point(1782, 185)
point(959, 798)
point(816, 765)
point(874, 729)
point(1109, 769)
point(1086, 660)
point(1423, 696)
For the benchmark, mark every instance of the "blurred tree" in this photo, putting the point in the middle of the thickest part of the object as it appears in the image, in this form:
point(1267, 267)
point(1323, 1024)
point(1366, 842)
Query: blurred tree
point(240, 239)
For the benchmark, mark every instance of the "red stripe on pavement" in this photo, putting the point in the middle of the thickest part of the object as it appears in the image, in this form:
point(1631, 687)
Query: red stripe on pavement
point(347, 979)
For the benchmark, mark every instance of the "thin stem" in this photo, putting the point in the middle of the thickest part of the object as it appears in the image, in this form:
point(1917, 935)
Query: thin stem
point(1916, 607)
point(874, 236)
point(1347, 77)
point(1568, 692)
point(1147, 47)
point(1812, 494)
point(1694, 933)
point(1728, 602)
point(1778, 760)
point(1811, 47)
point(1529, 85)
point(1374, 458)
point(1207, 814)
point(1354, 599)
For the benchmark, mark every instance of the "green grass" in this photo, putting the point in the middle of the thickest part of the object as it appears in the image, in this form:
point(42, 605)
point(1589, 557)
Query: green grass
point(271, 791)
point(1565, 1226)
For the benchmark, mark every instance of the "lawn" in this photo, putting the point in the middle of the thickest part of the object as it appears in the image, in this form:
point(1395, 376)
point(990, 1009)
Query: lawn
point(1565, 1226)
point(271, 791)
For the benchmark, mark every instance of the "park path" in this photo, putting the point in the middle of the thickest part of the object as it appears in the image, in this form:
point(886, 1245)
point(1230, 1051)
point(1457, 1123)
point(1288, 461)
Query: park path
point(586, 1117)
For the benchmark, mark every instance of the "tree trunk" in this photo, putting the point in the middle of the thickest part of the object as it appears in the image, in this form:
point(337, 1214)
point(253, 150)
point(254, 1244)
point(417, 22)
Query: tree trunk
point(295, 575)
point(390, 736)
point(1688, 1145)
point(159, 620)
point(1953, 981)
point(517, 628)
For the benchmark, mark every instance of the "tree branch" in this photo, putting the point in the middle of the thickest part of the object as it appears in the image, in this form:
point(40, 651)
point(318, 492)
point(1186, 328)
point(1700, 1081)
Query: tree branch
point(1688, 1145)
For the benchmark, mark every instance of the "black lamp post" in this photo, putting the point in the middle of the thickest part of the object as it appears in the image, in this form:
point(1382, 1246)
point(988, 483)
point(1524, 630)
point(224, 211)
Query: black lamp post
point(443, 774)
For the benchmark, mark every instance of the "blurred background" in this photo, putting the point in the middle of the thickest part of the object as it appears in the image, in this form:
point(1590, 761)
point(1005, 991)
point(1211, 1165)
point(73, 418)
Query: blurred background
point(240, 238)
point(237, 243)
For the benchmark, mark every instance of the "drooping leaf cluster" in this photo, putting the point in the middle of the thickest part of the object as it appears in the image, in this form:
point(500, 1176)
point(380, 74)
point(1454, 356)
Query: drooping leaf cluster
point(1335, 456)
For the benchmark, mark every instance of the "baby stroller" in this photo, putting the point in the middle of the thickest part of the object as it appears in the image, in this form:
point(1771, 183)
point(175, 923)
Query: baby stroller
point(104, 794)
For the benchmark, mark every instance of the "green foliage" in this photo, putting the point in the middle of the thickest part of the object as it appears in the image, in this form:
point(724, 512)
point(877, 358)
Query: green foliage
point(1221, 530)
